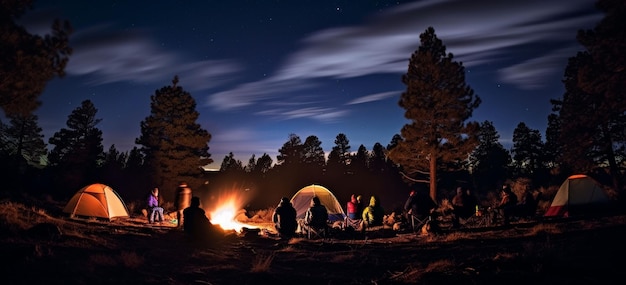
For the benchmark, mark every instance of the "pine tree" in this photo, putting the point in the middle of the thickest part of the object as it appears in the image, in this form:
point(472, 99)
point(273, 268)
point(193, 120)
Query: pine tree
point(552, 148)
point(593, 110)
point(23, 149)
point(438, 102)
point(378, 159)
point(490, 160)
point(359, 161)
point(26, 138)
point(339, 156)
point(291, 153)
point(28, 61)
point(174, 145)
point(527, 150)
point(78, 150)
point(231, 165)
point(264, 164)
point(314, 160)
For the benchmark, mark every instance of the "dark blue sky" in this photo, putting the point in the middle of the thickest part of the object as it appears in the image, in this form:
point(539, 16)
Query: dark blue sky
point(260, 70)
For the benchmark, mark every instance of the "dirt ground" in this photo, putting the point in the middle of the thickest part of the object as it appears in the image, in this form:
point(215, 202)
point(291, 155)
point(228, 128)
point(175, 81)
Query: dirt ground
point(570, 251)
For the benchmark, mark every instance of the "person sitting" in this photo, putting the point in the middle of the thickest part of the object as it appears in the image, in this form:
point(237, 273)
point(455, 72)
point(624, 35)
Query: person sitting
point(316, 217)
point(352, 208)
point(459, 207)
point(374, 214)
point(196, 224)
point(419, 206)
point(155, 212)
point(508, 203)
point(284, 218)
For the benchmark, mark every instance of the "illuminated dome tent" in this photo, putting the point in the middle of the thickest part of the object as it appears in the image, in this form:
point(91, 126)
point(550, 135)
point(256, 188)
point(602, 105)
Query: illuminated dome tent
point(302, 201)
point(98, 201)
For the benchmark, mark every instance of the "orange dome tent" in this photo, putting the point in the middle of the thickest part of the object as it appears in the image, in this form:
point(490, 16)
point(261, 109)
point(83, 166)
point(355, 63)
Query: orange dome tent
point(96, 200)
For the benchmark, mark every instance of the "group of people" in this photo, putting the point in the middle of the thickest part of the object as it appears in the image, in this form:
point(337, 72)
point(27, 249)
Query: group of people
point(284, 217)
point(189, 215)
point(371, 215)
point(316, 216)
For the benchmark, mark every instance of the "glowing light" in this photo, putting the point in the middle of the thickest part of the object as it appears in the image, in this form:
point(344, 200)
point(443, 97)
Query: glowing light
point(226, 210)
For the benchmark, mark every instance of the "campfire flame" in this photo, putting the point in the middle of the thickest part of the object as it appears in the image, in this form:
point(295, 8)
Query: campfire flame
point(226, 210)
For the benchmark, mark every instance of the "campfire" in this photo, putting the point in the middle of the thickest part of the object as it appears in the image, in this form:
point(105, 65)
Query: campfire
point(227, 211)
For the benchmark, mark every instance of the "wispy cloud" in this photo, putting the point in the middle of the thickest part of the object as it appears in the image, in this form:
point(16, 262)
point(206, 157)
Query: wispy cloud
point(478, 33)
point(131, 55)
point(374, 97)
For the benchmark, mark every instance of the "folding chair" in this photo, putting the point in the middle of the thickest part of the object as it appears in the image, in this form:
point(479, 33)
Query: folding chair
point(355, 224)
point(418, 222)
point(480, 218)
point(314, 232)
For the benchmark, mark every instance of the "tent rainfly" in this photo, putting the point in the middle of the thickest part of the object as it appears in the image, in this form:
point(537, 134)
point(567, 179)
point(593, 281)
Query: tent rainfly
point(302, 201)
point(578, 195)
point(96, 200)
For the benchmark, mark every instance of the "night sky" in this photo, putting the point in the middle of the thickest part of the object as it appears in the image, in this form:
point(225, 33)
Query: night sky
point(261, 70)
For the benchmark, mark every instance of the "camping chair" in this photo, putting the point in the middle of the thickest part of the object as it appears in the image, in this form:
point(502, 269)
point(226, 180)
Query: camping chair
point(314, 232)
point(356, 224)
point(480, 218)
point(417, 222)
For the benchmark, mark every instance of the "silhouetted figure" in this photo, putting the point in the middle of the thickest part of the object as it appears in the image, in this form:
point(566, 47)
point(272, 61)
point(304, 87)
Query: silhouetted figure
point(284, 218)
point(182, 200)
point(359, 206)
point(197, 225)
point(317, 214)
point(419, 204)
point(155, 211)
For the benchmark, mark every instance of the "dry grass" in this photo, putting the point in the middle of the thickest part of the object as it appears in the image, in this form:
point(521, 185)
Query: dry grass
point(262, 263)
point(544, 229)
point(455, 236)
point(415, 274)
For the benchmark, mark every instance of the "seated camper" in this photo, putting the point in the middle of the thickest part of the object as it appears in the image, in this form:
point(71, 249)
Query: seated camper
point(316, 217)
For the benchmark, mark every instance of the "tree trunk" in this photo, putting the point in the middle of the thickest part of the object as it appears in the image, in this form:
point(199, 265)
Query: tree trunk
point(433, 177)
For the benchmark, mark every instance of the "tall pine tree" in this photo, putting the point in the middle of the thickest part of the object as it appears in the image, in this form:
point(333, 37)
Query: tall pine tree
point(490, 160)
point(437, 102)
point(78, 150)
point(174, 145)
point(593, 108)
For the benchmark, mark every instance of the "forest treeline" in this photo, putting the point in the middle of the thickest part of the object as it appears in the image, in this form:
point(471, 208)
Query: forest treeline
point(438, 150)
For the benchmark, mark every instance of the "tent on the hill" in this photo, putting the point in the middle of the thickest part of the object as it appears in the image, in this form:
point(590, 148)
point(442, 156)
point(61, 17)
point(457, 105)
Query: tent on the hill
point(578, 195)
point(96, 200)
point(302, 201)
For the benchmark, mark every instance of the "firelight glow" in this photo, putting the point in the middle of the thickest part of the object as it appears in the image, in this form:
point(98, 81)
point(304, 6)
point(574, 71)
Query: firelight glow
point(226, 210)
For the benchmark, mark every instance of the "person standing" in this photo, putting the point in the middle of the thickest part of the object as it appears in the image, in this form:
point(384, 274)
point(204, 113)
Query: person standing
point(284, 218)
point(181, 202)
point(155, 211)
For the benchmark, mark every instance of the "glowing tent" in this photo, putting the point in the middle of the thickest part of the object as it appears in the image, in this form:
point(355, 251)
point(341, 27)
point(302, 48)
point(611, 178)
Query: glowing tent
point(302, 201)
point(579, 194)
point(96, 200)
